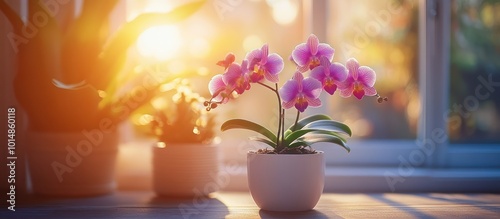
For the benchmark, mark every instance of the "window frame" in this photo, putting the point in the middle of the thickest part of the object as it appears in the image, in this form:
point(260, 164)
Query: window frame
point(428, 163)
point(470, 167)
point(434, 54)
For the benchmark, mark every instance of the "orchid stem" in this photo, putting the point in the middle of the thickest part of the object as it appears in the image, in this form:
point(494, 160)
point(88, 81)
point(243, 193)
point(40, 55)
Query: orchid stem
point(269, 87)
point(279, 140)
point(296, 121)
point(283, 126)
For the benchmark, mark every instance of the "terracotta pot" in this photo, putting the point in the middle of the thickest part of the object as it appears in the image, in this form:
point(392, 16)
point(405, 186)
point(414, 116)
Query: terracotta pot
point(185, 169)
point(73, 163)
point(286, 182)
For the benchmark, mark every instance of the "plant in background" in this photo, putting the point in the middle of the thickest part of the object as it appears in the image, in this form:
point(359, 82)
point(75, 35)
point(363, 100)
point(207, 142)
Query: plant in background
point(187, 122)
point(67, 75)
point(300, 92)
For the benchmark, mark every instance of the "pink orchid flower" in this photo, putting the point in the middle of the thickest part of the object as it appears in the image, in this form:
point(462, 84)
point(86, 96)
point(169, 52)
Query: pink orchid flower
point(331, 75)
point(359, 82)
point(307, 55)
point(227, 61)
point(219, 90)
point(301, 92)
point(264, 65)
point(236, 77)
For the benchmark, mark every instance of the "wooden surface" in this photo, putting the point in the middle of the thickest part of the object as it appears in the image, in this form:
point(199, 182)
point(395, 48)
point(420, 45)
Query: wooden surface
point(241, 205)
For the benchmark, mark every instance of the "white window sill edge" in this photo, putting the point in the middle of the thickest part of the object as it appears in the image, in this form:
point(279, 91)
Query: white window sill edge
point(404, 180)
point(362, 180)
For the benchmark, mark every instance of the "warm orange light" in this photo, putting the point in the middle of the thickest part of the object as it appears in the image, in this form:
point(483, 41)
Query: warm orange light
point(161, 42)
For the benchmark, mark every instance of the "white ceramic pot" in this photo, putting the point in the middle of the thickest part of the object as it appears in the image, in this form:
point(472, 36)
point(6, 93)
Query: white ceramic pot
point(187, 170)
point(286, 182)
point(73, 163)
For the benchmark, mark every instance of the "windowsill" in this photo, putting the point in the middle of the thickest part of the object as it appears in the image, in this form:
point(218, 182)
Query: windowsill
point(365, 179)
point(134, 173)
point(240, 205)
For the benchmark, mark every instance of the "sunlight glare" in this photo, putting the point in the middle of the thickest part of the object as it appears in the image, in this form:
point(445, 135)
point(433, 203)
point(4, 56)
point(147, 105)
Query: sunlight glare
point(159, 103)
point(199, 48)
point(177, 67)
point(161, 42)
point(285, 12)
point(252, 42)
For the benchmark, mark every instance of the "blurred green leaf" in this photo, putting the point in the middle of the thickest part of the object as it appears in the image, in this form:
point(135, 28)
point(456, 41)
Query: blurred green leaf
point(245, 124)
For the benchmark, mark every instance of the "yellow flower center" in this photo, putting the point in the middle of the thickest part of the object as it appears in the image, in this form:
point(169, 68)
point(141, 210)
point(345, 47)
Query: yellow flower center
point(314, 63)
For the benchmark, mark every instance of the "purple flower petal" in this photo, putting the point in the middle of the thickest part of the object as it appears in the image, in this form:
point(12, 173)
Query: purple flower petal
point(289, 91)
point(227, 61)
point(347, 90)
point(325, 62)
point(352, 65)
point(274, 64)
point(370, 91)
point(289, 104)
point(311, 88)
point(345, 84)
point(253, 58)
point(232, 74)
point(325, 50)
point(236, 78)
point(318, 73)
point(298, 77)
point(272, 78)
point(312, 43)
point(303, 68)
point(314, 102)
point(338, 72)
point(264, 52)
point(216, 86)
point(301, 54)
point(367, 76)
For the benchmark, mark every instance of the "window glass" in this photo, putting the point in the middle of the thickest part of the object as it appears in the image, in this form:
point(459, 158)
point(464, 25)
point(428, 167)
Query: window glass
point(384, 36)
point(475, 71)
point(218, 28)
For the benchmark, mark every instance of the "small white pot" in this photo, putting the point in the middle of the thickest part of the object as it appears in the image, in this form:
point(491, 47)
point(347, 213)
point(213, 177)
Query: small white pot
point(73, 163)
point(185, 169)
point(286, 182)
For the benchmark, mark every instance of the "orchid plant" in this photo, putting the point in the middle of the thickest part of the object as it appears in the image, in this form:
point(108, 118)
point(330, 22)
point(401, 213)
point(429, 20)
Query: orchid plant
point(299, 92)
point(188, 123)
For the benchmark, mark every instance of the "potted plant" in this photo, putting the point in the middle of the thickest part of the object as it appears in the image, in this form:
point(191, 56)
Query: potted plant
point(185, 159)
point(67, 84)
point(290, 175)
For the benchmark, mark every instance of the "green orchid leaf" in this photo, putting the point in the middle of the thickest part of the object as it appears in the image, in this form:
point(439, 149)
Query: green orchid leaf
point(329, 125)
point(303, 122)
point(298, 144)
point(310, 140)
point(302, 132)
point(245, 124)
point(263, 140)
